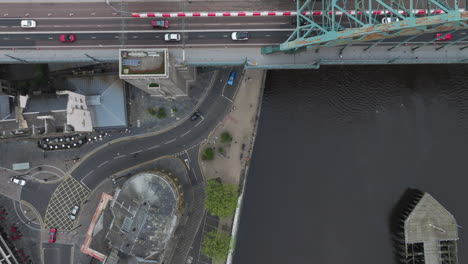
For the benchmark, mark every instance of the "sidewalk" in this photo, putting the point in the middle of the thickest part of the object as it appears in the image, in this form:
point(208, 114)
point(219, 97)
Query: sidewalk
point(240, 123)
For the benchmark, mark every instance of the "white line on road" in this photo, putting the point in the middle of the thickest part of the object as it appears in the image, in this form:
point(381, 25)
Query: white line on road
point(50, 38)
point(196, 178)
point(135, 37)
point(121, 156)
point(169, 141)
point(6, 38)
point(27, 38)
point(136, 152)
point(185, 133)
point(86, 176)
point(227, 99)
point(267, 35)
point(93, 37)
point(199, 123)
point(153, 147)
point(102, 164)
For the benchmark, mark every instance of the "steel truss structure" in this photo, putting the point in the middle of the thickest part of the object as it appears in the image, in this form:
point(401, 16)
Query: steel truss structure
point(338, 26)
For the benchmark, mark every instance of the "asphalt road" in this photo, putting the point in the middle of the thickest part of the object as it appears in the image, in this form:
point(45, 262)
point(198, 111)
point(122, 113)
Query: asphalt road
point(184, 138)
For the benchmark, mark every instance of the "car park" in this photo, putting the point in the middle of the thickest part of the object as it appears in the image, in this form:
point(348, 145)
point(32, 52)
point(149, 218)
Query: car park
point(242, 35)
point(52, 235)
point(74, 212)
point(232, 77)
point(441, 37)
point(17, 181)
point(387, 20)
point(160, 24)
point(172, 37)
point(28, 23)
point(67, 38)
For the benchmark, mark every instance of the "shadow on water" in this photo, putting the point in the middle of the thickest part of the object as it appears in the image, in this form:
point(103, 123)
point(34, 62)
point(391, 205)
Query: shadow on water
point(397, 217)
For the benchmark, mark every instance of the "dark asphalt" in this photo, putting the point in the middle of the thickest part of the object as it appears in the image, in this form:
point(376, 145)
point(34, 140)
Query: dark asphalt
point(127, 153)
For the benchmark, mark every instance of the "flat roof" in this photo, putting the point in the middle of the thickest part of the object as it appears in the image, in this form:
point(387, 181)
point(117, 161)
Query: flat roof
point(142, 63)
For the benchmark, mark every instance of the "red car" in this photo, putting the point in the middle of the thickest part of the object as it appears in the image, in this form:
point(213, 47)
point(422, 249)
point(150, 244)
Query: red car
point(52, 235)
point(445, 38)
point(160, 23)
point(67, 38)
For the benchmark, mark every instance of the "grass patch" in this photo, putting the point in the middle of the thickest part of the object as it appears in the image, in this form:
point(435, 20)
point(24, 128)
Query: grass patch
point(226, 137)
point(208, 154)
point(161, 113)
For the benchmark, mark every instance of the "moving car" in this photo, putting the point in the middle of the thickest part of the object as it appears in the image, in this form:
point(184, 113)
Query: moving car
point(444, 38)
point(195, 116)
point(387, 20)
point(74, 212)
point(17, 181)
point(160, 23)
point(67, 38)
point(28, 23)
point(240, 35)
point(232, 77)
point(172, 37)
point(52, 235)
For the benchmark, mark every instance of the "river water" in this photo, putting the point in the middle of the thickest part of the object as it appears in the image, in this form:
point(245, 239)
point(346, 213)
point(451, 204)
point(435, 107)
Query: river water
point(337, 148)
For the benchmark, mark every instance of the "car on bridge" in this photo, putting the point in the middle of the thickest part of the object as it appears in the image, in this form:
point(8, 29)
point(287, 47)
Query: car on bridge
point(67, 38)
point(240, 35)
point(172, 37)
point(447, 37)
point(160, 24)
point(387, 20)
point(52, 235)
point(28, 23)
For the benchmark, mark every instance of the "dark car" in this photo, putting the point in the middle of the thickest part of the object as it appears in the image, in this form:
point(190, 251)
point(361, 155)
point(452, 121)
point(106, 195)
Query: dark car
point(160, 24)
point(195, 116)
point(67, 38)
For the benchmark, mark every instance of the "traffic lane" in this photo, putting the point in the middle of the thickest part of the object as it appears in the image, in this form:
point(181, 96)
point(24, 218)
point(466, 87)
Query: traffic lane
point(57, 253)
point(30, 193)
point(35, 10)
point(124, 154)
point(226, 37)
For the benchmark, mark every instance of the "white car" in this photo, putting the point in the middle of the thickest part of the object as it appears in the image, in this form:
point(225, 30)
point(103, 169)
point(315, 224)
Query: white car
point(74, 212)
point(17, 181)
point(28, 23)
point(387, 20)
point(240, 35)
point(172, 37)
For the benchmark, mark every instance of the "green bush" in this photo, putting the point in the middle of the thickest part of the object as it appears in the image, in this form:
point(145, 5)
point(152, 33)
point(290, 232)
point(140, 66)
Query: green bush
point(226, 137)
point(153, 85)
point(221, 150)
point(215, 245)
point(174, 110)
point(221, 199)
point(151, 111)
point(162, 112)
point(208, 154)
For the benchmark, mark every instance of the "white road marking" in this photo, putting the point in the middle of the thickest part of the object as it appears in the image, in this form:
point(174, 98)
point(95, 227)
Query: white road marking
point(85, 178)
point(199, 123)
point(136, 152)
point(6, 38)
point(50, 38)
point(227, 99)
point(121, 156)
point(135, 37)
point(116, 37)
point(93, 37)
point(185, 133)
point(102, 164)
point(267, 35)
point(153, 147)
point(27, 38)
point(196, 178)
point(169, 141)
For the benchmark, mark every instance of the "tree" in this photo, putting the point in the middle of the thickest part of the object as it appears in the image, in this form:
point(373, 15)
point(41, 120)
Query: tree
point(215, 244)
point(208, 154)
point(151, 111)
point(221, 199)
point(162, 112)
point(226, 137)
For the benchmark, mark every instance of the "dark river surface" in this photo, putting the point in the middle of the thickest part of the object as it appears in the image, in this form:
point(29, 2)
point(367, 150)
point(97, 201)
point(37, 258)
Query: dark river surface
point(336, 149)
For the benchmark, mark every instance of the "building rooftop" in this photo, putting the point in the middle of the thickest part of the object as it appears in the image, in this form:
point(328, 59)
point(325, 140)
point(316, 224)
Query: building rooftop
point(46, 103)
point(143, 63)
point(431, 229)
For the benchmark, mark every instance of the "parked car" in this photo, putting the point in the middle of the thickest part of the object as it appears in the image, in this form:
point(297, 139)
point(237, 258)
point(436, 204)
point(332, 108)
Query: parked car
point(172, 37)
point(17, 181)
point(67, 38)
point(160, 24)
point(52, 235)
point(28, 23)
point(387, 20)
point(232, 77)
point(195, 116)
point(439, 37)
point(240, 35)
point(74, 212)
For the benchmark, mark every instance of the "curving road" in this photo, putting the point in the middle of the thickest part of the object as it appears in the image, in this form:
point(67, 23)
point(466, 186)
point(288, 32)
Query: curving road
point(184, 139)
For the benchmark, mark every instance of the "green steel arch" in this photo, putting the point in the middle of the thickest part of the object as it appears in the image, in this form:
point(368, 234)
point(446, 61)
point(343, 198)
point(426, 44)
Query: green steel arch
point(408, 18)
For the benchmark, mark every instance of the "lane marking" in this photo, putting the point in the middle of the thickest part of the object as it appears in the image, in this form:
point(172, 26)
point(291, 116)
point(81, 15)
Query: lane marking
point(169, 141)
point(153, 147)
point(102, 164)
point(118, 157)
point(198, 123)
point(136, 152)
point(185, 133)
point(149, 31)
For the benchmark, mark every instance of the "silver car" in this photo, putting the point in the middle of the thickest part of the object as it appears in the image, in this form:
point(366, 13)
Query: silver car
point(28, 23)
point(172, 37)
point(74, 212)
